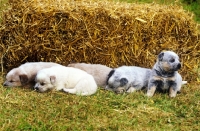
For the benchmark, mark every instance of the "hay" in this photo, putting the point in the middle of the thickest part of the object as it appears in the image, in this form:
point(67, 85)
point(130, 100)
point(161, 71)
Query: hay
point(106, 32)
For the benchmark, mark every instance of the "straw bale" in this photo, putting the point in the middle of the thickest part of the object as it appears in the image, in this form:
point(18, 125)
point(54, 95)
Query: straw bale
point(105, 32)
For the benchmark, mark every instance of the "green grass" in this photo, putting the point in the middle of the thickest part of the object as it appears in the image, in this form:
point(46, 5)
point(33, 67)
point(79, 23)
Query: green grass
point(2, 7)
point(2, 4)
point(195, 8)
point(26, 110)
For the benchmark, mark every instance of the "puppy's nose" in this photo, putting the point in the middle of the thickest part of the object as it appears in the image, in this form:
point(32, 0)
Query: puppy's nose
point(179, 66)
point(4, 84)
point(36, 88)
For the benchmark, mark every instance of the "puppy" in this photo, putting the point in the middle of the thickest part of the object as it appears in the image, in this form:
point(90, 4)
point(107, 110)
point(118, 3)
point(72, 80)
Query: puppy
point(98, 71)
point(128, 79)
point(24, 75)
point(68, 79)
point(165, 74)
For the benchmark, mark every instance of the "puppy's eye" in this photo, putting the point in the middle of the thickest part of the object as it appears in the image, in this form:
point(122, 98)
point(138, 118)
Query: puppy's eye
point(11, 81)
point(42, 84)
point(171, 60)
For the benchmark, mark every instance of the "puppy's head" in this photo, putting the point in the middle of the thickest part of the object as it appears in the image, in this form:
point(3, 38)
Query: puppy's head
point(16, 77)
point(44, 82)
point(116, 82)
point(168, 61)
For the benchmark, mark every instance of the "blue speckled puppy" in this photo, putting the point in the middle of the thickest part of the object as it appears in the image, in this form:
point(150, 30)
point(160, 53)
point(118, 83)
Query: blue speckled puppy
point(128, 79)
point(165, 74)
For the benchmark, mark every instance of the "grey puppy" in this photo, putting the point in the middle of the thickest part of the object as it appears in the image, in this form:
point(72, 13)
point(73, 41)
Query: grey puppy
point(128, 79)
point(165, 74)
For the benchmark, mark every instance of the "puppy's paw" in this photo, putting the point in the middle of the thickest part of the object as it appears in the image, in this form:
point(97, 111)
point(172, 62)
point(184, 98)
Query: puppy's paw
point(149, 94)
point(172, 95)
point(120, 90)
point(131, 89)
point(64, 90)
point(151, 91)
point(108, 88)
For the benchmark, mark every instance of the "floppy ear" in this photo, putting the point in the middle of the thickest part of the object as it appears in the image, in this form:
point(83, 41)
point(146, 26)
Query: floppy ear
point(53, 79)
point(109, 75)
point(23, 79)
point(123, 81)
point(160, 56)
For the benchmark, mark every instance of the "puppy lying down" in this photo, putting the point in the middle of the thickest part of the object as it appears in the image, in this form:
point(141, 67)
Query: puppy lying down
point(68, 79)
point(98, 71)
point(24, 75)
point(128, 79)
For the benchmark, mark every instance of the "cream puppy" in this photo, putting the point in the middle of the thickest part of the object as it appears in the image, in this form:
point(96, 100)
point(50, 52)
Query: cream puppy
point(24, 75)
point(98, 71)
point(68, 79)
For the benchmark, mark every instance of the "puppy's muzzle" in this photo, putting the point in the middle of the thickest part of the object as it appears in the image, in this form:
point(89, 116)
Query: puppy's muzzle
point(178, 66)
point(36, 88)
point(5, 84)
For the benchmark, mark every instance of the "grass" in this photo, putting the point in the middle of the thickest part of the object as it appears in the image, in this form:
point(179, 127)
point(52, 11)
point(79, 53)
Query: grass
point(2, 4)
point(26, 110)
point(2, 7)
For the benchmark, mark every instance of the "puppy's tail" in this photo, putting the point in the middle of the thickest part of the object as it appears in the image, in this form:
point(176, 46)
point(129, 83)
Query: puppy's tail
point(184, 82)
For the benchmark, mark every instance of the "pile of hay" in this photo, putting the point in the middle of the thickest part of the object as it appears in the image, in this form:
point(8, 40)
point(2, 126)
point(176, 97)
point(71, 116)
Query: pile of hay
point(105, 32)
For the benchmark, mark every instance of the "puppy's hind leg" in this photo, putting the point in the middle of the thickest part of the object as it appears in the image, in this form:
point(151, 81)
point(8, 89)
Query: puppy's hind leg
point(71, 91)
point(84, 87)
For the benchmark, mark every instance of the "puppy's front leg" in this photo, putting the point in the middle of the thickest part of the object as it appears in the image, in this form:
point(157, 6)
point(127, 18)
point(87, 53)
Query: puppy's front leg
point(152, 87)
point(173, 89)
point(151, 90)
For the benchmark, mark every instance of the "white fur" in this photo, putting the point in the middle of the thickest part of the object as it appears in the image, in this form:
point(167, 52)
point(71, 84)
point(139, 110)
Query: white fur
point(25, 74)
point(68, 79)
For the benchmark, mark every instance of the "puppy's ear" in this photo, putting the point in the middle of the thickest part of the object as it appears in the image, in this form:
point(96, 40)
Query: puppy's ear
point(160, 56)
point(109, 75)
point(123, 81)
point(23, 79)
point(53, 79)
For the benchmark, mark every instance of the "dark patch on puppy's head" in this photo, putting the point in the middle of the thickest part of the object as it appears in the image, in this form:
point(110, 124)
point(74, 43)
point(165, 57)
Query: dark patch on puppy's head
point(160, 56)
point(123, 81)
point(109, 75)
point(23, 79)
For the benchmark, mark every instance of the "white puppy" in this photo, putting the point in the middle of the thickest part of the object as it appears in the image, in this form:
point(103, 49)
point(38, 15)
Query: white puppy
point(98, 71)
point(24, 75)
point(68, 79)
